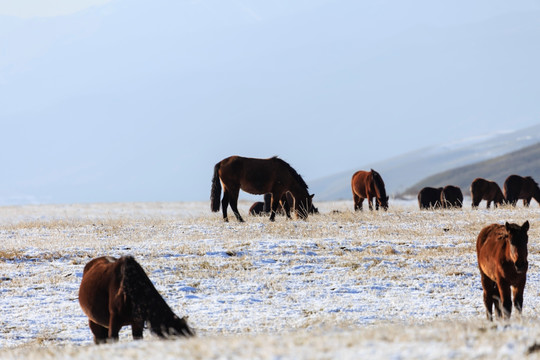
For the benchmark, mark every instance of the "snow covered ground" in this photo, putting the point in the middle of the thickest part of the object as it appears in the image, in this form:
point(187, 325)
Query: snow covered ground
point(396, 284)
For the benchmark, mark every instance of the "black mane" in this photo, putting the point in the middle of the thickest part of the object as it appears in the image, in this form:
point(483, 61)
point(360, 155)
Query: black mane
point(293, 172)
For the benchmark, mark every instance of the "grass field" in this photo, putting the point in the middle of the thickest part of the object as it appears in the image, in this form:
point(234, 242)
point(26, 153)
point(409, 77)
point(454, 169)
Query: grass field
point(397, 284)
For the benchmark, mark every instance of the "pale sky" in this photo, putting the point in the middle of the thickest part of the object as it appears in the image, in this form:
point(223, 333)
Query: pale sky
point(131, 100)
point(45, 8)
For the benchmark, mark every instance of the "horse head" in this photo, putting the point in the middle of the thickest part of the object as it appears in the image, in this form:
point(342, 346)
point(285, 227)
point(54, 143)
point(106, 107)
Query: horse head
point(518, 239)
point(172, 326)
point(304, 207)
point(383, 202)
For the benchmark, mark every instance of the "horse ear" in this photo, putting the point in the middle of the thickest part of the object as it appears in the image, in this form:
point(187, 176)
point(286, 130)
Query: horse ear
point(312, 195)
point(507, 226)
point(525, 226)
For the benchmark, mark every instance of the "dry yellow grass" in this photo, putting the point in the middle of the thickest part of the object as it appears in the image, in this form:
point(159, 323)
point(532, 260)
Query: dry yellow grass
point(331, 283)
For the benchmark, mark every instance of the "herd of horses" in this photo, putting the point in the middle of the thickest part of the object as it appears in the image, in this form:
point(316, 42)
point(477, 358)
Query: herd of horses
point(515, 188)
point(117, 292)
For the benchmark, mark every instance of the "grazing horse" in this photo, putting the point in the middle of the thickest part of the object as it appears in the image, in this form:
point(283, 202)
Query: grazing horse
point(451, 196)
point(368, 185)
point(260, 208)
point(430, 198)
point(117, 292)
point(502, 260)
point(482, 189)
point(518, 187)
point(258, 176)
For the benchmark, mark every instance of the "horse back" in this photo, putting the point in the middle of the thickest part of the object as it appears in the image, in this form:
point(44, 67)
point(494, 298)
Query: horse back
point(255, 176)
point(490, 249)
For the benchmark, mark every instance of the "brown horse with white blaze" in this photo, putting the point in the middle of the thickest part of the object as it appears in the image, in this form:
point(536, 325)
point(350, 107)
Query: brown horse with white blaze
point(258, 176)
point(503, 264)
point(117, 292)
point(368, 185)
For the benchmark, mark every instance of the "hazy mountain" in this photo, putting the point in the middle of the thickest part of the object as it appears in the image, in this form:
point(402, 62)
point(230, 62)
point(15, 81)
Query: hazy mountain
point(524, 162)
point(402, 172)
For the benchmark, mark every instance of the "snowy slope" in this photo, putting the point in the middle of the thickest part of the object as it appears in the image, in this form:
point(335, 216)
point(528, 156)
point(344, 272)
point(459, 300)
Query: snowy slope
point(403, 171)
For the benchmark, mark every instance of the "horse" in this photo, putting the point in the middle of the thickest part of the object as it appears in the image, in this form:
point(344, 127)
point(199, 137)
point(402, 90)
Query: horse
point(502, 259)
point(482, 189)
point(368, 185)
point(451, 196)
point(430, 197)
point(518, 187)
point(258, 176)
point(117, 292)
point(259, 208)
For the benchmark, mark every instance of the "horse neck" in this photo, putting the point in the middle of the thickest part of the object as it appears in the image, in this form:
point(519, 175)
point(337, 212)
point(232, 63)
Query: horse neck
point(159, 312)
point(298, 192)
point(145, 299)
point(379, 187)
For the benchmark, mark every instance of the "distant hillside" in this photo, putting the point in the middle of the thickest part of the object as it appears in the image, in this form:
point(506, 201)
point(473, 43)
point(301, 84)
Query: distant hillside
point(525, 162)
point(401, 172)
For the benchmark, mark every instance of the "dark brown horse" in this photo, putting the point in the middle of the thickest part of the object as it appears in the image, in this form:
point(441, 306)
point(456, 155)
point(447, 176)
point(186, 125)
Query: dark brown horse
point(117, 292)
point(517, 187)
point(257, 176)
point(368, 185)
point(261, 208)
point(430, 198)
point(502, 260)
point(482, 189)
point(451, 196)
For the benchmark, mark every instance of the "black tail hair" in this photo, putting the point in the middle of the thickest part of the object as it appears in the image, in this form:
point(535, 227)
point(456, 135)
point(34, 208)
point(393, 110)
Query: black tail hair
point(215, 193)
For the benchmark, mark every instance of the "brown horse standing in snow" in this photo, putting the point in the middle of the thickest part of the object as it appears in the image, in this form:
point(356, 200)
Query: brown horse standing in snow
point(502, 260)
point(482, 189)
point(117, 292)
point(517, 187)
point(368, 185)
point(258, 176)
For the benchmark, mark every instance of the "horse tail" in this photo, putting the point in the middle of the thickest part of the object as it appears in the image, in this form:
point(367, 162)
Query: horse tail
point(215, 193)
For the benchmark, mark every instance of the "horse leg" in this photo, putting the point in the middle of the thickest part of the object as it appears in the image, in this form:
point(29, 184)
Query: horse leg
point(506, 299)
point(225, 204)
point(360, 203)
point(357, 202)
point(100, 332)
point(234, 204)
point(275, 204)
point(376, 204)
point(137, 330)
point(527, 201)
point(489, 287)
point(518, 296)
point(114, 326)
point(287, 207)
point(488, 203)
point(369, 200)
